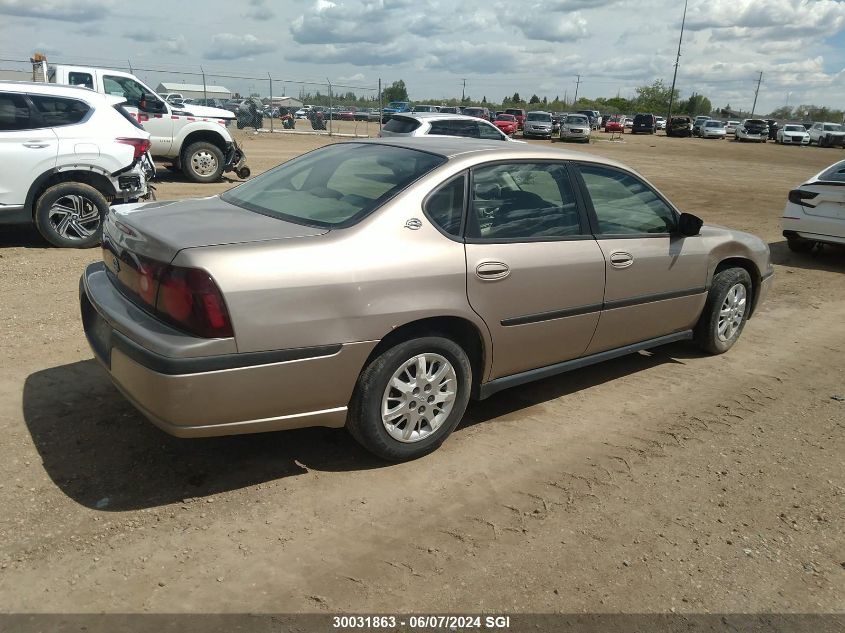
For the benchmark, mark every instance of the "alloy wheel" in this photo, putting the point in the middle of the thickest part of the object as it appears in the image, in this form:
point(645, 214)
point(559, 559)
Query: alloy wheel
point(74, 217)
point(419, 397)
point(732, 312)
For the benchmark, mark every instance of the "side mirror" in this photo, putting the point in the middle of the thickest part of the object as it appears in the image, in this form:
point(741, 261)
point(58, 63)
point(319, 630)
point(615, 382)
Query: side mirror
point(149, 103)
point(689, 224)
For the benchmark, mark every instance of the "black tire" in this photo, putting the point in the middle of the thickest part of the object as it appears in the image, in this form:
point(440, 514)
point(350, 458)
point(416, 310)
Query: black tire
point(365, 421)
point(706, 335)
point(799, 244)
point(198, 155)
point(90, 207)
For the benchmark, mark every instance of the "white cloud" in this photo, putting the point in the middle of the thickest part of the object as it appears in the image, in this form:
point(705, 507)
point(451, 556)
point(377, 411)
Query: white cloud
point(232, 46)
point(65, 10)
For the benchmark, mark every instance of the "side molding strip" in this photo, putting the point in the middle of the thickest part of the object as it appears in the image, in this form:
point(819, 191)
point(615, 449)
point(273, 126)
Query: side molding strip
point(506, 382)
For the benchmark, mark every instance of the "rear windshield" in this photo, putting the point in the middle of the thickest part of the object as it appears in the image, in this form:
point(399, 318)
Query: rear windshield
point(539, 116)
point(515, 112)
point(333, 186)
point(643, 118)
point(713, 124)
point(123, 112)
point(401, 125)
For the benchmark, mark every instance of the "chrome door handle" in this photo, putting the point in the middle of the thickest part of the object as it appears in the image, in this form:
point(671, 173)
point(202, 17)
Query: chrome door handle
point(621, 259)
point(490, 271)
point(36, 145)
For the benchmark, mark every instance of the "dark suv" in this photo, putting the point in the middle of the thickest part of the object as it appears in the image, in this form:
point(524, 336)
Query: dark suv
point(519, 115)
point(644, 124)
point(480, 113)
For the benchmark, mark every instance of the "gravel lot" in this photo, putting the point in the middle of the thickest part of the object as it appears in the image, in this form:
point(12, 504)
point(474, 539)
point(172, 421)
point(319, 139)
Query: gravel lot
point(662, 481)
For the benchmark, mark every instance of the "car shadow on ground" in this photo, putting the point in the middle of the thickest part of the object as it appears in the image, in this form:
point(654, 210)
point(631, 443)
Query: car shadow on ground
point(23, 236)
point(164, 174)
point(105, 455)
point(829, 258)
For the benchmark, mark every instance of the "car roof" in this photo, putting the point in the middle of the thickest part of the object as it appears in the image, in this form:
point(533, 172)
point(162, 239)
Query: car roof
point(455, 146)
point(38, 87)
point(433, 116)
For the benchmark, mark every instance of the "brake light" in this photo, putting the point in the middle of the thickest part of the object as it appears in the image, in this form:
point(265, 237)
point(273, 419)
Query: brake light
point(139, 145)
point(189, 298)
point(798, 196)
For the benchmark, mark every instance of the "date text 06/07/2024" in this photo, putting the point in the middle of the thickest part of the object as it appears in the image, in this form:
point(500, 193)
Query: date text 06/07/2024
point(421, 621)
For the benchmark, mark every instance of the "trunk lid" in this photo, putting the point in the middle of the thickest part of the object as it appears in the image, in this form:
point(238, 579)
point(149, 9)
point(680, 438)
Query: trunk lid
point(159, 230)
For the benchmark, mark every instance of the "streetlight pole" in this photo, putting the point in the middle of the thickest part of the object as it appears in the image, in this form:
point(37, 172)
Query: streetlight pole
point(677, 63)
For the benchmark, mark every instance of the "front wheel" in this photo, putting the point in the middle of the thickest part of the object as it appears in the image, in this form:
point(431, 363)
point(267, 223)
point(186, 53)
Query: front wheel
point(202, 162)
point(725, 311)
point(410, 398)
point(70, 215)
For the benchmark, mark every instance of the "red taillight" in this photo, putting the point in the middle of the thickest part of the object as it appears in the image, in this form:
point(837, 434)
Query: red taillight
point(189, 298)
point(139, 145)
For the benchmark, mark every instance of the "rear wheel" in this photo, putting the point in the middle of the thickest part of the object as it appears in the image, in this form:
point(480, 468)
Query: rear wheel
point(202, 162)
point(70, 215)
point(410, 398)
point(725, 311)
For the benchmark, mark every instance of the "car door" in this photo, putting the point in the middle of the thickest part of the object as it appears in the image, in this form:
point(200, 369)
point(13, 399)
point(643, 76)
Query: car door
point(154, 116)
point(28, 148)
point(534, 273)
point(655, 278)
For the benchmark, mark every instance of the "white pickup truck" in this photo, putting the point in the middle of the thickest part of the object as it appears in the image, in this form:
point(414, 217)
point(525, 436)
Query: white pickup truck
point(193, 139)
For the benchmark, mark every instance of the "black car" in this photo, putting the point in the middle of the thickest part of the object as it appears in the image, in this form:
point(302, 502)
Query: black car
point(679, 126)
point(773, 129)
point(644, 124)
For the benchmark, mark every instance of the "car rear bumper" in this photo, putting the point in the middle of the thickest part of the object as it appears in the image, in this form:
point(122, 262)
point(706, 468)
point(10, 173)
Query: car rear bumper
point(214, 394)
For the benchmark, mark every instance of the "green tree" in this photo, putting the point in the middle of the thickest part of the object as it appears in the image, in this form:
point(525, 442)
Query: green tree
point(484, 99)
point(396, 92)
point(783, 112)
point(654, 98)
point(696, 105)
point(534, 99)
point(515, 98)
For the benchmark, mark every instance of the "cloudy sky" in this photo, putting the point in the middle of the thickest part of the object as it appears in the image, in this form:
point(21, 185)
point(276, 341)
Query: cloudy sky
point(499, 47)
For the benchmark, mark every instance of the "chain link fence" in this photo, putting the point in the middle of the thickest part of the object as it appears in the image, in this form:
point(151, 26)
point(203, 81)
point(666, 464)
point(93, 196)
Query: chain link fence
point(288, 105)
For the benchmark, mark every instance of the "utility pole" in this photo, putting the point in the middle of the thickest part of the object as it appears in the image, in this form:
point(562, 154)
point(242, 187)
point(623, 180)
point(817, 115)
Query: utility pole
point(754, 105)
point(677, 63)
point(565, 97)
point(464, 91)
point(577, 83)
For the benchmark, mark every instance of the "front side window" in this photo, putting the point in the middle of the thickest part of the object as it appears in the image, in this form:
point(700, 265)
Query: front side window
point(522, 201)
point(625, 205)
point(14, 113)
point(333, 186)
point(490, 132)
point(58, 111)
point(445, 207)
point(125, 87)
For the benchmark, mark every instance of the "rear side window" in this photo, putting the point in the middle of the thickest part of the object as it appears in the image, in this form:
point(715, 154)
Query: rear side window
point(455, 127)
point(834, 174)
point(401, 125)
point(14, 113)
point(59, 111)
point(445, 207)
point(490, 132)
point(81, 79)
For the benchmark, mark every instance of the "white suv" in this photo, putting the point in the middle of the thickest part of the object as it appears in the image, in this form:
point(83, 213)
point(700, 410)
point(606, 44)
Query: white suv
point(66, 154)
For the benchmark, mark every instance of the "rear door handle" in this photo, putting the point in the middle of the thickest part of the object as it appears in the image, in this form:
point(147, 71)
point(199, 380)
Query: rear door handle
point(621, 259)
point(36, 144)
point(490, 271)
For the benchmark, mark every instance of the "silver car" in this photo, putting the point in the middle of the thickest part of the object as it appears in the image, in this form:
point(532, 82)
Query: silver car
point(537, 124)
point(575, 127)
point(437, 124)
point(379, 285)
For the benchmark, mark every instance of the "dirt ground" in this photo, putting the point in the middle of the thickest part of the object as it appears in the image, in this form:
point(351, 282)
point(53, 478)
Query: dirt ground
point(664, 481)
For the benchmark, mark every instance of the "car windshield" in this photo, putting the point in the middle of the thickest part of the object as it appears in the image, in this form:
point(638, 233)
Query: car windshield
point(794, 128)
point(714, 124)
point(756, 122)
point(576, 120)
point(333, 186)
point(539, 116)
point(832, 127)
point(505, 117)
